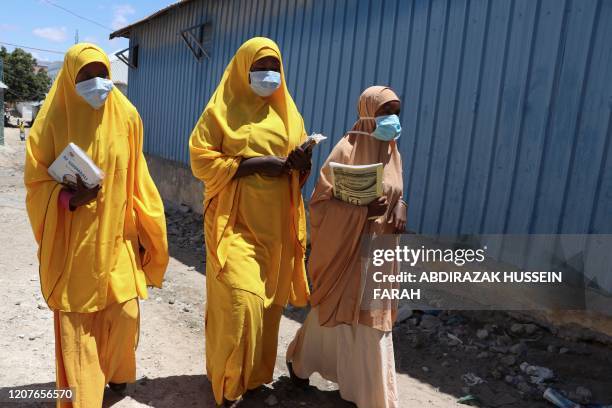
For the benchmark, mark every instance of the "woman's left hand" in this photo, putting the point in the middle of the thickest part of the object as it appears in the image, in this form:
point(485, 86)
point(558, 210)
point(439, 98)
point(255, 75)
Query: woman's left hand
point(83, 195)
point(300, 159)
point(399, 217)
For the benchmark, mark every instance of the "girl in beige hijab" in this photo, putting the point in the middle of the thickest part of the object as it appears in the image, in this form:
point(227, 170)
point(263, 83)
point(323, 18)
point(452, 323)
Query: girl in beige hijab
point(343, 338)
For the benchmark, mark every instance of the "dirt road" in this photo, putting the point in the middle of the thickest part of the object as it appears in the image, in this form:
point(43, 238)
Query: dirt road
point(171, 350)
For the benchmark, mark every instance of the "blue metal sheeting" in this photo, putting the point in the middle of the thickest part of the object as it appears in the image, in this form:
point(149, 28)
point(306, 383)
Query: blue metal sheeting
point(506, 103)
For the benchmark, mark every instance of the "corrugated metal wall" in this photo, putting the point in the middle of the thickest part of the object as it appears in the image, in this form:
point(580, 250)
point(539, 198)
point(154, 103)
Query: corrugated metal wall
point(506, 103)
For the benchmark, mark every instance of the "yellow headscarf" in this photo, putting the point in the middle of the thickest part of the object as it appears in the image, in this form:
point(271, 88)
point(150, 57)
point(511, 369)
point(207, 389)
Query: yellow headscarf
point(231, 128)
point(78, 249)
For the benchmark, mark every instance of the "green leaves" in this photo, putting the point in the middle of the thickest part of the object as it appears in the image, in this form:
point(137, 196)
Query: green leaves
point(25, 80)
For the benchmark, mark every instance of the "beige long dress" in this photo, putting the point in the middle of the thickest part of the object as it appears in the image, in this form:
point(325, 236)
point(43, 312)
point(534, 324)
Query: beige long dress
point(345, 338)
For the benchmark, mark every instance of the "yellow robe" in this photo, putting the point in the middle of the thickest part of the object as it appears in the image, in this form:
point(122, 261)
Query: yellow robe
point(94, 261)
point(255, 226)
point(77, 250)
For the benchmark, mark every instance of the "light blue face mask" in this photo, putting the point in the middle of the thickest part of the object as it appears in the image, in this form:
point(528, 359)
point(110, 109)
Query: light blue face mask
point(95, 91)
point(265, 83)
point(387, 128)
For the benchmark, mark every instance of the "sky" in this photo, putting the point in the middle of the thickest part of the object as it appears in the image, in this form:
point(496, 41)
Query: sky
point(44, 24)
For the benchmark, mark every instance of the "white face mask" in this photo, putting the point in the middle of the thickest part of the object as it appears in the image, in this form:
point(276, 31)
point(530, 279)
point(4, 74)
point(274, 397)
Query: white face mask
point(95, 91)
point(265, 83)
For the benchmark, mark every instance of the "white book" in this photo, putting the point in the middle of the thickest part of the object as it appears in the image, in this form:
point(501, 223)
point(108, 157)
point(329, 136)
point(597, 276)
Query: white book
point(72, 161)
point(313, 140)
point(357, 184)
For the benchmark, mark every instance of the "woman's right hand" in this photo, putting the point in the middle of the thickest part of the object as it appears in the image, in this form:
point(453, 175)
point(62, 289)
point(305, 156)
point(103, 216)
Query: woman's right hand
point(378, 207)
point(271, 166)
point(274, 166)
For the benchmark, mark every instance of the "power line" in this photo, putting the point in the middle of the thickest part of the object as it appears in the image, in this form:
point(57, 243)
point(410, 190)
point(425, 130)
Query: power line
point(32, 48)
point(77, 15)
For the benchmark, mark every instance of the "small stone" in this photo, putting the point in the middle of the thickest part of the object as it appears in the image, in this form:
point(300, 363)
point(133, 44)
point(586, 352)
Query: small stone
point(429, 322)
point(524, 387)
point(271, 400)
point(503, 340)
point(41, 306)
point(32, 338)
point(563, 350)
point(509, 379)
point(158, 299)
point(530, 328)
point(21, 336)
point(482, 334)
point(186, 309)
point(17, 303)
point(552, 349)
point(499, 349)
point(517, 328)
point(471, 379)
point(418, 341)
point(171, 301)
point(584, 395)
point(537, 374)
point(482, 355)
point(425, 369)
point(518, 348)
point(509, 360)
point(445, 364)
point(184, 208)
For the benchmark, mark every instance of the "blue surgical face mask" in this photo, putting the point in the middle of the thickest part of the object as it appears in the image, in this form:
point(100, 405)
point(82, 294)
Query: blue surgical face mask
point(95, 91)
point(387, 128)
point(265, 83)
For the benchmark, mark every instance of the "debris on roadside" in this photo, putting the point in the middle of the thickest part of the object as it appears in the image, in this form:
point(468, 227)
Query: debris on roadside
point(494, 354)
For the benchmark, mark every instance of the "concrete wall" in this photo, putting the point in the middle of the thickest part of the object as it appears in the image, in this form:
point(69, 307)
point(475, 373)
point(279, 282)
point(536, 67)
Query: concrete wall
point(176, 183)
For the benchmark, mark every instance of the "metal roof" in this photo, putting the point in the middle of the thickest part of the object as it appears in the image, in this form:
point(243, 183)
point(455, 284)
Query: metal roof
point(125, 31)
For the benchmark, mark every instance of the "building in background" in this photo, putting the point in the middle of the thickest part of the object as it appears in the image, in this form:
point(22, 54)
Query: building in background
point(119, 74)
point(506, 104)
point(52, 67)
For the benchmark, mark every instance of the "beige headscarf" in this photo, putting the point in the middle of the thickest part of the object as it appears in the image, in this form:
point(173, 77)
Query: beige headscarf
point(336, 227)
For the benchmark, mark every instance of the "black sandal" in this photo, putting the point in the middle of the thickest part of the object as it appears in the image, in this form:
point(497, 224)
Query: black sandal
point(297, 381)
point(118, 388)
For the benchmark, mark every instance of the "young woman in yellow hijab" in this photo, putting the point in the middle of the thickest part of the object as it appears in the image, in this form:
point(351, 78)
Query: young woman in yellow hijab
point(99, 247)
point(245, 148)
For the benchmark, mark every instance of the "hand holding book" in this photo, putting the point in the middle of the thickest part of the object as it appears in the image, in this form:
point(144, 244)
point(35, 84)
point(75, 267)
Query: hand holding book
point(81, 194)
point(300, 159)
point(378, 207)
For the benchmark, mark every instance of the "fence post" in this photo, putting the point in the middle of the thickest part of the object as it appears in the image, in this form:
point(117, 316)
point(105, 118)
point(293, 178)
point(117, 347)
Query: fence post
point(2, 103)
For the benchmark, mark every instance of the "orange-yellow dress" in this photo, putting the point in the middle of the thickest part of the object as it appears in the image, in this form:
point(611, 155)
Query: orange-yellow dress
point(96, 261)
point(254, 226)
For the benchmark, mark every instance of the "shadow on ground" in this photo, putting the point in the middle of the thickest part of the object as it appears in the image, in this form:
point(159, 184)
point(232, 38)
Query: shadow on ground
point(446, 353)
point(195, 391)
